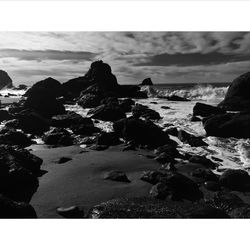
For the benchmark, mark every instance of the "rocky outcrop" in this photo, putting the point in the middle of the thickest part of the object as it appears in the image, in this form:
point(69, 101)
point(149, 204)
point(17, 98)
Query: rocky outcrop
point(204, 110)
point(146, 82)
point(5, 80)
point(238, 95)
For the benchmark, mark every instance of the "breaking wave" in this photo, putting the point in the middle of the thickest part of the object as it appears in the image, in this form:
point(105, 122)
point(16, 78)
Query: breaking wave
point(198, 92)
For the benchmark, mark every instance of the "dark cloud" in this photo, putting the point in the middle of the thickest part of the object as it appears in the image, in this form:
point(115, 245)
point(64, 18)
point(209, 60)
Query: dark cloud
point(192, 59)
point(40, 55)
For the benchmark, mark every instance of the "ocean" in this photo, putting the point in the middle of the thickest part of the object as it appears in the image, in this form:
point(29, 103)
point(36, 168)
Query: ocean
point(233, 153)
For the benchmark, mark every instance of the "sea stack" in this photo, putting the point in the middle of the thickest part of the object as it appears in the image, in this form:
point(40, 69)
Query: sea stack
point(146, 82)
point(5, 80)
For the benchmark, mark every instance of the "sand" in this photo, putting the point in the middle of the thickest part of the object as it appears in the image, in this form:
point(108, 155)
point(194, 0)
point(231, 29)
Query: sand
point(81, 181)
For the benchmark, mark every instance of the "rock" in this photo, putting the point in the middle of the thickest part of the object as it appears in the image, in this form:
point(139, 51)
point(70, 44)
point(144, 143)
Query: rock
point(195, 119)
point(228, 125)
point(70, 119)
point(18, 173)
point(107, 113)
point(5, 115)
point(117, 176)
point(5, 80)
point(168, 149)
point(144, 112)
point(58, 137)
point(235, 179)
point(141, 132)
point(146, 82)
point(147, 207)
point(43, 102)
point(212, 186)
point(164, 158)
point(206, 175)
point(204, 110)
point(165, 107)
point(109, 139)
point(204, 161)
point(89, 101)
point(159, 191)
point(70, 212)
point(12, 137)
point(175, 98)
point(10, 209)
point(193, 141)
point(48, 85)
point(172, 131)
point(152, 177)
point(130, 91)
point(64, 160)
point(237, 97)
point(99, 147)
point(21, 87)
point(126, 104)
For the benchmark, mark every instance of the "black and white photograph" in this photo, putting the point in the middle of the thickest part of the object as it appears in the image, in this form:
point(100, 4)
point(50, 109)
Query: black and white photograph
point(125, 124)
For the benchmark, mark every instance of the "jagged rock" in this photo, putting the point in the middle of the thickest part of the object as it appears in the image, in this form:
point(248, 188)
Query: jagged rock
point(147, 82)
point(141, 132)
point(193, 141)
point(204, 110)
point(144, 112)
point(238, 94)
point(10, 209)
point(5, 80)
point(117, 176)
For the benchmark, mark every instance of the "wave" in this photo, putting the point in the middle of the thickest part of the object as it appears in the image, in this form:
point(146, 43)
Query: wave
point(198, 92)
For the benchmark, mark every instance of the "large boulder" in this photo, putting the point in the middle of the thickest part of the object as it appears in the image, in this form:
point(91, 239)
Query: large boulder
point(202, 109)
point(18, 173)
point(43, 102)
point(228, 125)
point(147, 82)
point(5, 115)
point(238, 95)
point(141, 132)
point(53, 86)
point(107, 113)
point(144, 112)
point(5, 80)
point(89, 100)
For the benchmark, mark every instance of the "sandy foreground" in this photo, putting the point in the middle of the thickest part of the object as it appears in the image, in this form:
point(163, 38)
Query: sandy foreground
point(81, 181)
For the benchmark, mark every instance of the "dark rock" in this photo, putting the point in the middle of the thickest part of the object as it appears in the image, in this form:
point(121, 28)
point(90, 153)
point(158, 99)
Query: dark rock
point(107, 113)
point(111, 100)
point(165, 107)
point(117, 176)
point(159, 191)
point(235, 179)
point(12, 137)
point(168, 149)
point(204, 161)
point(152, 177)
point(205, 175)
point(164, 158)
point(144, 112)
point(43, 102)
point(141, 132)
point(204, 110)
point(109, 139)
point(89, 100)
point(195, 119)
point(175, 98)
point(99, 147)
point(193, 141)
point(70, 212)
point(212, 185)
point(85, 129)
point(146, 82)
point(21, 87)
point(64, 160)
point(58, 137)
point(228, 125)
point(5, 115)
point(70, 119)
point(126, 104)
point(172, 131)
point(48, 85)
point(5, 80)
point(18, 173)
point(237, 97)
point(10, 209)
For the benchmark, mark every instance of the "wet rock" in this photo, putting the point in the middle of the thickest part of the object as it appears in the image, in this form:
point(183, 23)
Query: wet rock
point(164, 158)
point(205, 175)
point(10, 209)
point(235, 179)
point(141, 132)
point(117, 176)
point(5, 115)
point(204, 110)
point(109, 139)
point(5, 80)
point(172, 131)
point(212, 186)
point(70, 212)
point(159, 191)
point(195, 119)
point(18, 173)
point(146, 82)
point(204, 161)
point(64, 160)
point(85, 130)
point(144, 112)
point(237, 97)
point(126, 104)
point(152, 177)
point(58, 137)
point(107, 113)
point(228, 125)
point(193, 141)
point(89, 100)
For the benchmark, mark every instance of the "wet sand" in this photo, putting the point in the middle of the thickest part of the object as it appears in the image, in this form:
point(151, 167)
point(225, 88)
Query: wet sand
point(81, 181)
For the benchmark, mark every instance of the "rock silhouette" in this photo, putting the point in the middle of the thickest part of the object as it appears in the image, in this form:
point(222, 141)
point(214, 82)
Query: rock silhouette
point(5, 80)
point(147, 82)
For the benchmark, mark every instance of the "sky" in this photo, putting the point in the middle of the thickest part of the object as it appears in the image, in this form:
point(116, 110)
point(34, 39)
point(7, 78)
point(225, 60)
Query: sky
point(166, 57)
